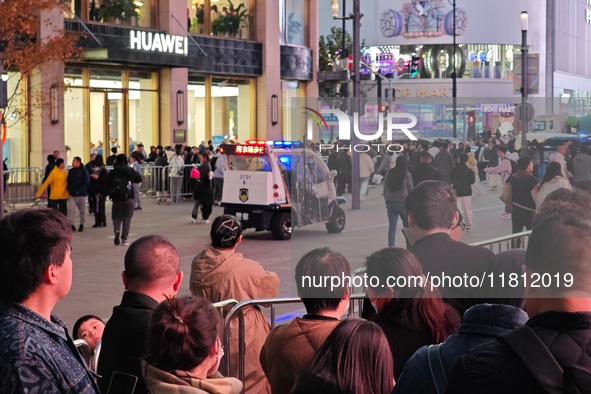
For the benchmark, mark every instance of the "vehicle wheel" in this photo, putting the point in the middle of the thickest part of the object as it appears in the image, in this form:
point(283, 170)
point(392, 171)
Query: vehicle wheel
point(337, 221)
point(281, 226)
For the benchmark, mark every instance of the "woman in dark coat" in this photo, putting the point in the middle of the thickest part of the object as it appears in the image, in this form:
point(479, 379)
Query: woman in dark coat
point(410, 314)
point(98, 188)
point(161, 176)
point(206, 187)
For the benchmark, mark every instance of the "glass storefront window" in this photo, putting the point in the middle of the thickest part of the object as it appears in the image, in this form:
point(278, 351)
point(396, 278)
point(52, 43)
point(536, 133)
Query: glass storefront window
point(15, 147)
point(126, 12)
point(227, 19)
point(291, 127)
point(231, 108)
point(143, 108)
point(196, 108)
point(74, 115)
point(102, 111)
point(292, 19)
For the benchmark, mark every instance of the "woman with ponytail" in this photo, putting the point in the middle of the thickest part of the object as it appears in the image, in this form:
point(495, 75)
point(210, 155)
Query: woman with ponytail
point(410, 313)
point(184, 349)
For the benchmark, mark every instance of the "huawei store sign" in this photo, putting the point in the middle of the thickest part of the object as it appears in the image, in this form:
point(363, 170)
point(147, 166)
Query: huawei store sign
point(158, 42)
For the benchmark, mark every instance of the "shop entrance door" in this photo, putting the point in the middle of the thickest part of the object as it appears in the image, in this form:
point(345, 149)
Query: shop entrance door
point(106, 120)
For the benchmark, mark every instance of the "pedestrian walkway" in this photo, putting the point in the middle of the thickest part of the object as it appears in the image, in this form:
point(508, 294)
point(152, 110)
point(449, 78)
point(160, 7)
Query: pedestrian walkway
point(98, 263)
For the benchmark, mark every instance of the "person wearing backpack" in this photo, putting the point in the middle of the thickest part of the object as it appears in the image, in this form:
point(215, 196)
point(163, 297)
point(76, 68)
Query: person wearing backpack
point(120, 181)
point(551, 353)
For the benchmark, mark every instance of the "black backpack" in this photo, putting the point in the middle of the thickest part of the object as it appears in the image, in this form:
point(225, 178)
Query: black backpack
point(514, 167)
point(121, 189)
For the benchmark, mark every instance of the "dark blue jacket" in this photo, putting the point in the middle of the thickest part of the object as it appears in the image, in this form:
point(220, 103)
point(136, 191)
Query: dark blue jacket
point(78, 181)
point(482, 323)
point(37, 354)
point(125, 339)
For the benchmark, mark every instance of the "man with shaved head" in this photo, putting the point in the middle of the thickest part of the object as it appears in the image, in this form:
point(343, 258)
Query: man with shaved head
point(152, 273)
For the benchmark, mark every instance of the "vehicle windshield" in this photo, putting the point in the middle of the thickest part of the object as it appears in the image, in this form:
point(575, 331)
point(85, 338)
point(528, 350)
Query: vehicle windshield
point(248, 163)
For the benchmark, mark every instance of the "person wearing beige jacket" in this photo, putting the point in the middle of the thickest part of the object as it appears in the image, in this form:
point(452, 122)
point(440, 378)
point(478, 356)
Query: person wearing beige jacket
point(366, 168)
point(219, 273)
point(473, 165)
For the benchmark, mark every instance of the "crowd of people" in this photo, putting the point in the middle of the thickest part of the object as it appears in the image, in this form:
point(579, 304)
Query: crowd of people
point(412, 338)
point(525, 179)
point(415, 338)
point(85, 188)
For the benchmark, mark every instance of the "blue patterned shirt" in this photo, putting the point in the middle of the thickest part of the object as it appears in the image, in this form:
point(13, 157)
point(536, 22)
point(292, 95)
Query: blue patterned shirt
point(38, 356)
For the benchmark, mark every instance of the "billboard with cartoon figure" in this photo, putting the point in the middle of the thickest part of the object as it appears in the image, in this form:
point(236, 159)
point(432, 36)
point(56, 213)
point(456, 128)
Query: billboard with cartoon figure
point(431, 18)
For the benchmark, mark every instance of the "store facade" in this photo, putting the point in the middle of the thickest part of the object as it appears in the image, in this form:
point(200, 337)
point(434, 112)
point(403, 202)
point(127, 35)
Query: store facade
point(488, 35)
point(167, 73)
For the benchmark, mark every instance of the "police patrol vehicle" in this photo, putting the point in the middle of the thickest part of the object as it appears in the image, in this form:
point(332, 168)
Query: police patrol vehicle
point(275, 185)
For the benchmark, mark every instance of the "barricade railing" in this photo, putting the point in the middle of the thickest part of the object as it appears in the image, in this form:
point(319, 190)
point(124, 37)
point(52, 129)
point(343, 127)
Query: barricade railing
point(160, 182)
point(271, 303)
point(506, 242)
point(22, 184)
point(496, 245)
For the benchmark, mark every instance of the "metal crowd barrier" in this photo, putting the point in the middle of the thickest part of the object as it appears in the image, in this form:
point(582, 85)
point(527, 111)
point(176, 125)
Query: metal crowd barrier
point(22, 184)
point(157, 181)
point(500, 244)
point(496, 245)
point(237, 312)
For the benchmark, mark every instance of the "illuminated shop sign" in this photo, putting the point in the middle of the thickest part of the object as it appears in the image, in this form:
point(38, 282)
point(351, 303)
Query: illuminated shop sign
point(158, 42)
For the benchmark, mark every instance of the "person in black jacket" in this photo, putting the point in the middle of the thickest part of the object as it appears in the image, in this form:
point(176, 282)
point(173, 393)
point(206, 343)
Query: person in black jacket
point(152, 272)
point(99, 191)
point(345, 165)
point(161, 176)
point(425, 171)
point(206, 190)
point(48, 168)
point(432, 211)
point(551, 352)
point(462, 179)
point(78, 181)
point(111, 159)
point(524, 206)
point(122, 210)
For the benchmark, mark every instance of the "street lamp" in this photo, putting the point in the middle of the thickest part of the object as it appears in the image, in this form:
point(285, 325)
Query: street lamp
point(344, 50)
point(524, 120)
point(454, 76)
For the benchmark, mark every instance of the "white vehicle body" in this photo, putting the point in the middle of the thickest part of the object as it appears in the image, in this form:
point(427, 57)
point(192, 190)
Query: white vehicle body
point(268, 186)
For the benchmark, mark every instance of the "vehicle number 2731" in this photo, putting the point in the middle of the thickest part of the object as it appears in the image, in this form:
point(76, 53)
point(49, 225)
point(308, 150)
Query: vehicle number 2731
point(244, 177)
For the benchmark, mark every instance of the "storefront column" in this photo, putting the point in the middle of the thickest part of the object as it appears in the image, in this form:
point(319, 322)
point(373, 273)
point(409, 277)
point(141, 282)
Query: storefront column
point(313, 36)
point(269, 84)
point(45, 135)
point(173, 19)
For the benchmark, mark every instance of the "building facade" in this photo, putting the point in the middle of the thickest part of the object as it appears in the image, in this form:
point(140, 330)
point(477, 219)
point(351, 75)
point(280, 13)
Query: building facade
point(488, 36)
point(163, 72)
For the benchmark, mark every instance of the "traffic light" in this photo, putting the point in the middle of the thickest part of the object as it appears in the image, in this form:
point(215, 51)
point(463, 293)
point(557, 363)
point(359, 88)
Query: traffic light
point(414, 66)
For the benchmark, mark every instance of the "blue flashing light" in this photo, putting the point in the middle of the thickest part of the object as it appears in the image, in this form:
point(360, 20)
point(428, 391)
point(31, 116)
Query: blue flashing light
point(287, 143)
point(583, 137)
point(286, 161)
point(278, 142)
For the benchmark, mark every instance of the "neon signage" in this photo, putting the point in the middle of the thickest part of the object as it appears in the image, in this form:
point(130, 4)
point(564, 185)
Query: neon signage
point(158, 42)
